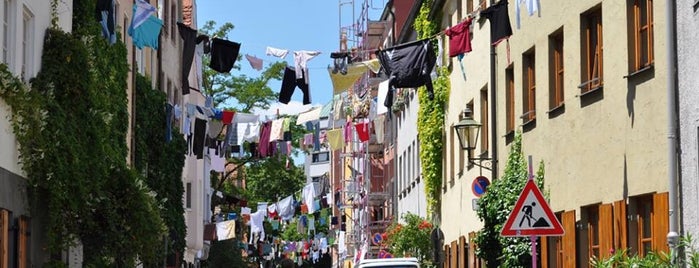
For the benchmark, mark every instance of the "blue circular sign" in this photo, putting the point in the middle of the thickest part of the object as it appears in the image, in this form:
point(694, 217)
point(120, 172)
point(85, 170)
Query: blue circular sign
point(377, 238)
point(479, 185)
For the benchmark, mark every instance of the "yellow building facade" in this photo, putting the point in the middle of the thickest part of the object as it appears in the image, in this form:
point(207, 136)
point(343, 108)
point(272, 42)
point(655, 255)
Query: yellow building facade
point(584, 82)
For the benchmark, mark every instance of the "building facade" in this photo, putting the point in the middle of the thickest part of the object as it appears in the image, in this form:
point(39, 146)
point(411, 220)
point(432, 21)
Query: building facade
point(592, 113)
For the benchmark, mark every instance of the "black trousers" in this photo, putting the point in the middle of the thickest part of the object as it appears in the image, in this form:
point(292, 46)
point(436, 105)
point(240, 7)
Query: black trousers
point(289, 84)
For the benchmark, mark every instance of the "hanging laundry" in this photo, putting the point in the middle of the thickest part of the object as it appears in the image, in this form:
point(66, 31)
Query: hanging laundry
point(147, 32)
point(199, 137)
point(459, 38)
point(335, 139)
point(189, 37)
point(224, 53)
point(379, 128)
point(281, 53)
point(255, 62)
point(168, 122)
point(225, 230)
point(286, 208)
point(532, 7)
point(500, 28)
point(257, 223)
point(338, 112)
point(348, 131)
point(141, 13)
point(104, 13)
point(309, 193)
point(265, 131)
point(245, 211)
point(272, 211)
point(301, 59)
point(308, 139)
point(276, 131)
point(289, 84)
point(215, 128)
point(362, 131)
point(342, 82)
point(340, 62)
point(408, 66)
point(218, 163)
point(311, 223)
point(308, 116)
point(323, 136)
point(227, 117)
point(177, 110)
point(286, 129)
point(250, 132)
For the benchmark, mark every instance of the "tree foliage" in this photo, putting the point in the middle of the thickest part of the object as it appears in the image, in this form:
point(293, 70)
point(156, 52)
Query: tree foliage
point(268, 179)
point(411, 239)
point(247, 92)
point(495, 206)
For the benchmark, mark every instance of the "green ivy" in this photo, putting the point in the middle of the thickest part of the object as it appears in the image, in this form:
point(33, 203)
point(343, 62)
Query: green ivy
point(71, 126)
point(160, 161)
point(494, 208)
point(430, 125)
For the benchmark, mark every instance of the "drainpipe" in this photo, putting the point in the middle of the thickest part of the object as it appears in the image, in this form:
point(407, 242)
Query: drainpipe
point(493, 110)
point(673, 233)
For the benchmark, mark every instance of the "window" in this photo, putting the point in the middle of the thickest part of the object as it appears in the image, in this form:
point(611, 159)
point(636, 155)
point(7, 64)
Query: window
point(484, 120)
point(4, 237)
point(593, 247)
point(409, 166)
point(27, 44)
point(598, 233)
point(509, 100)
point(553, 248)
point(528, 87)
point(648, 224)
point(556, 70)
point(188, 195)
point(6, 12)
point(641, 54)
point(400, 174)
point(316, 179)
point(162, 12)
point(454, 147)
point(469, 6)
point(173, 21)
point(592, 73)
point(321, 157)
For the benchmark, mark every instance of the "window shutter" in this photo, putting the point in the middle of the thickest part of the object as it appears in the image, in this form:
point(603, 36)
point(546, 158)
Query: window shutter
point(447, 257)
point(454, 254)
point(544, 250)
point(4, 237)
point(606, 233)
point(22, 242)
point(660, 219)
point(620, 230)
point(462, 252)
point(472, 250)
point(568, 218)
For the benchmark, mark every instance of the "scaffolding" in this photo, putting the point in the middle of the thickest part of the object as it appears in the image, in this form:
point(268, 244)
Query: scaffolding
point(365, 191)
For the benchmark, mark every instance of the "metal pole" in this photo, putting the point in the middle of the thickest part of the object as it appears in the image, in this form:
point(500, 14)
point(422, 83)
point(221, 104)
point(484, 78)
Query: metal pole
point(532, 238)
point(673, 232)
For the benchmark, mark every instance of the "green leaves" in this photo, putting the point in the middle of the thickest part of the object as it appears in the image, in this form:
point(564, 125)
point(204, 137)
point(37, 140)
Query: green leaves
point(412, 238)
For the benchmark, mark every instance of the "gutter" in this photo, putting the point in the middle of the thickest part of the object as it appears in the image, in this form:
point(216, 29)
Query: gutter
point(494, 110)
point(672, 130)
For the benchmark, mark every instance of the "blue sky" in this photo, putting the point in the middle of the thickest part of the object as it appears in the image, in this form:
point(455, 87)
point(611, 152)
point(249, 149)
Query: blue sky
point(292, 25)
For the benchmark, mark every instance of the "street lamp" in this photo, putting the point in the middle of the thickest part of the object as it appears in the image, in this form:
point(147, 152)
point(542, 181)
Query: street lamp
point(467, 131)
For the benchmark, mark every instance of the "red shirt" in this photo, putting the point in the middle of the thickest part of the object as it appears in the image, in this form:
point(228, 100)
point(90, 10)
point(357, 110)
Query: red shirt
point(459, 38)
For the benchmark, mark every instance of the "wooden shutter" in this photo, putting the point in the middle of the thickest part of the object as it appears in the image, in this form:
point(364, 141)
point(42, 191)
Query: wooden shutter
point(454, 262)
point(544, 251)
point(22, 242)
point(462, 252)
point(606, 233)
point(472, 250)
point(620, 230)
point(4, 237)
point(661, 216)
point(447, 257)
point(568, 239)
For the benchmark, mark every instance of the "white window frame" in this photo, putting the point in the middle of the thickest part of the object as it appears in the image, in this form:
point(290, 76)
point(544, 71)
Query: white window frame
point(27, 65)
point(7, 32)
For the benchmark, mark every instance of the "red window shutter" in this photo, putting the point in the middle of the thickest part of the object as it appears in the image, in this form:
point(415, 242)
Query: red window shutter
point(661, 216)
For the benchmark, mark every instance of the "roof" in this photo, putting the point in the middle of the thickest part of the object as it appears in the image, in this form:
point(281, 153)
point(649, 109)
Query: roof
point(327, 108)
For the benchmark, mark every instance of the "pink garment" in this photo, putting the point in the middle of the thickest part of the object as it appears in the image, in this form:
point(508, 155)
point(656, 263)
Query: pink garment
point(288, 148)
point(323, 137)
point(459, 38)
point(362, 131)
point(308, 139)
point(255, 62)
point(263, 147)
point(348, 132)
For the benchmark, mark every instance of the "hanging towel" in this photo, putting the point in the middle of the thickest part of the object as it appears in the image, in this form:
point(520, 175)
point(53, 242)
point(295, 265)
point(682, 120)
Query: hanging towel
point(500, 28)
point(276, 131)
point(255, 62)
point(335, 139)
point(532, 7)
point(379, 128)
point(281, 53)
point(362, 131)
point(224, 53)
point(286, 208)
point(459, 38)
point(225, 230)
point(309, 193)
point(408, 66)
point(342, 82)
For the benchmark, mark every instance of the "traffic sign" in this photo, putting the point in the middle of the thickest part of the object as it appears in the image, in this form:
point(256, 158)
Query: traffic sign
point(377, 239)
point(479, 185)
point(532, 215)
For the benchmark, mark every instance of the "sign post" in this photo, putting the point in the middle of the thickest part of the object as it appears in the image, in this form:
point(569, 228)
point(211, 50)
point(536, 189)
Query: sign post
point(532, 216)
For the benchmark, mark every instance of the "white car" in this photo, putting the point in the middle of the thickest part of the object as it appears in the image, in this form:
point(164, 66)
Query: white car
point(389, 263)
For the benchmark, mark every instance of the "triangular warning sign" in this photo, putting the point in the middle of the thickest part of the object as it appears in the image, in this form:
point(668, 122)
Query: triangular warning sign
point(532, 215)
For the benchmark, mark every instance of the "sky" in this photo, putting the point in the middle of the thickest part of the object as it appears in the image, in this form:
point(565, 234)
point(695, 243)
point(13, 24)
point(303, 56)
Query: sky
point(288, 24)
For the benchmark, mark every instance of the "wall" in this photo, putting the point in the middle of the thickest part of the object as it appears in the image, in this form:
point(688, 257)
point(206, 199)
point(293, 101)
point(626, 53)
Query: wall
point(688, 78)
point(411, 190)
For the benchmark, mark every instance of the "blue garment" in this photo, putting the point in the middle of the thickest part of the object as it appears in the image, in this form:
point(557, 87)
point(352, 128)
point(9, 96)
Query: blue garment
point(146, 34)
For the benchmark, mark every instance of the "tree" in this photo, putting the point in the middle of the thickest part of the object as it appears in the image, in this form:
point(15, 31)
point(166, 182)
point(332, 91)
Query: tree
point(248, 92)
point(495, 206)
point(411, 238)
point(268, 180)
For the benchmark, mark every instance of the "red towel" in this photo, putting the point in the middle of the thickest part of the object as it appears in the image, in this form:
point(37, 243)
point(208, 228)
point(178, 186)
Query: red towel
point(362, 131)
point(227, 117)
